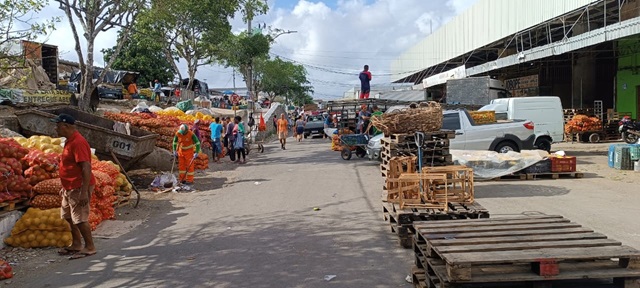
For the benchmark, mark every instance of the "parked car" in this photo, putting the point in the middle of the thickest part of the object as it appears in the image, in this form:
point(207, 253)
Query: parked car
point(513, 135)
point(314, 126)
point(545, 112)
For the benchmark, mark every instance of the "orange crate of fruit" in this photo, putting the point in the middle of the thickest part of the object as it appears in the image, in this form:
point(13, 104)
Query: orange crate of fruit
point(563, 164)
point(483, 117)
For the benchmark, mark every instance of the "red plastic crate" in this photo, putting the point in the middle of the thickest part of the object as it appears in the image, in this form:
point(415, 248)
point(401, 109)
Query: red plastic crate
point(564, 164)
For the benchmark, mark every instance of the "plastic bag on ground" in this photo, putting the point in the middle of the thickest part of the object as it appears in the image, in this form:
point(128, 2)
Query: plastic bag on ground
point(490, 164)
point(164, 180)
point(155, 109)
point(7, 223)
point(185, 105)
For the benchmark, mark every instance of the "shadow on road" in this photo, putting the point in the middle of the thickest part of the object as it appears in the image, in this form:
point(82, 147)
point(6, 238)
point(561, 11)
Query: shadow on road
point(273, 250)
point(517, 189)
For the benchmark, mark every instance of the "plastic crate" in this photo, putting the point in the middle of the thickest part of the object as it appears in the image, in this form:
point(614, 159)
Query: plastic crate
point(483, 117)
point(634, 152)
point(622, 158)
point(612, 154)
point(563, 164)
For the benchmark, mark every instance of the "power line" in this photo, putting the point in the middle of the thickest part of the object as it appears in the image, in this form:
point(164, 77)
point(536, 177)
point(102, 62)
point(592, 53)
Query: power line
point(336, 71)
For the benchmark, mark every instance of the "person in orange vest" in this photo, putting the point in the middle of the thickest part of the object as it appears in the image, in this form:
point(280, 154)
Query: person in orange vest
point(186, 147)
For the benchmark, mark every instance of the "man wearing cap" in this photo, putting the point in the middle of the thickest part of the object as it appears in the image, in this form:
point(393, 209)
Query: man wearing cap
point(186, 147)
point(78, 184)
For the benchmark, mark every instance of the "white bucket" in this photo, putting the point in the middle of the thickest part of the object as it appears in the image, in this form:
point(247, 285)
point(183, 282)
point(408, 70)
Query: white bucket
point(636, 166)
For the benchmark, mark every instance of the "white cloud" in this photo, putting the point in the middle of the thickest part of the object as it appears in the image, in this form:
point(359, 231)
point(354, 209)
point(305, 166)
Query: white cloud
point(340, 39)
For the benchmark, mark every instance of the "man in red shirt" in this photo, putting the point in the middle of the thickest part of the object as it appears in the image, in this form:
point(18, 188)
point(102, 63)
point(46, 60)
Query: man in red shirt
point(77, 183)
point(365, 79)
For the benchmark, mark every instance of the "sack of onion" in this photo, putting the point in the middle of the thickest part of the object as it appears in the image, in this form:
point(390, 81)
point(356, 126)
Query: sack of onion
point(40, 228)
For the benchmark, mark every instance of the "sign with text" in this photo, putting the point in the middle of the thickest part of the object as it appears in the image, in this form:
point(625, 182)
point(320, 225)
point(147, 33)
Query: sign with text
point(22, 96)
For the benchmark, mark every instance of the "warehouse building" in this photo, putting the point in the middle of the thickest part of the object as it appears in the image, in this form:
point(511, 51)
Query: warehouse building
point(586, 52)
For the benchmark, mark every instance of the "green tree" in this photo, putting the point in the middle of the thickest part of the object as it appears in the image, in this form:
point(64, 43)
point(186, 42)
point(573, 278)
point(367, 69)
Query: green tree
point(240, 51)
point(96, 17)
point(142, 54)
point(282, 78)
point(190, 30)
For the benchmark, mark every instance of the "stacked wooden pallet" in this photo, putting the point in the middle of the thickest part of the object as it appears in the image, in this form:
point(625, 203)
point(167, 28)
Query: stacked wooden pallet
point(401, 220)
point(546, 251)
point(434, 149)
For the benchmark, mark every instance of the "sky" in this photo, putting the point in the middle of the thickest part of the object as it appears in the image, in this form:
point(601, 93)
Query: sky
point(334, 39)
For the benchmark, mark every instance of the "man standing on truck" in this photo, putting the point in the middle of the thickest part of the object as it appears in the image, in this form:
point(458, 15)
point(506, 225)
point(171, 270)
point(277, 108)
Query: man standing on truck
point(186, 147)
point(365, 79)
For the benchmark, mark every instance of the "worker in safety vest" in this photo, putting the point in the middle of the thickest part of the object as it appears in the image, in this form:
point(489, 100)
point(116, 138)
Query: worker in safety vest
point(186, 147)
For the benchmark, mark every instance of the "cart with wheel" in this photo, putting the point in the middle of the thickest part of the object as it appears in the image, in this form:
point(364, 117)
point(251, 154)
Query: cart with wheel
point(353, 142)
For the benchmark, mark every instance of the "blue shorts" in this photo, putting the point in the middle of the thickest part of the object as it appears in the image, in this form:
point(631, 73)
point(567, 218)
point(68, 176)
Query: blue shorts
point(299, 130)
point(216, 145)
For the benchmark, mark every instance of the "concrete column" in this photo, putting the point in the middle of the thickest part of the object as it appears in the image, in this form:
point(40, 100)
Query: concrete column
point(584, 81)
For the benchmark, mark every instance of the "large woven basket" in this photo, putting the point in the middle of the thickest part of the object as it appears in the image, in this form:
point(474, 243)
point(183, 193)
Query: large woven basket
point(427, 117)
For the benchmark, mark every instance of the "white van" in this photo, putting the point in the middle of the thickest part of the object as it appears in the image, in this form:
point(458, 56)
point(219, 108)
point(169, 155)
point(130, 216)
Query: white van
point(545, 112)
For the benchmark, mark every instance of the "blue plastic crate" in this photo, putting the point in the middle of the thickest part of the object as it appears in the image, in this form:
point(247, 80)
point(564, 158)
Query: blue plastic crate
point(622, 158)
point(634, 151)
point(612, 154)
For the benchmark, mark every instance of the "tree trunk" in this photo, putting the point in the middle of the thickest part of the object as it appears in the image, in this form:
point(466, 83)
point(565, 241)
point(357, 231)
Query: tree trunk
point(87, 88)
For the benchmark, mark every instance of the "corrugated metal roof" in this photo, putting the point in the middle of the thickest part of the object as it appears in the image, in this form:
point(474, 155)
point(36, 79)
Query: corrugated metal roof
point(406, 95)
point(484, 23)
point(611, 32)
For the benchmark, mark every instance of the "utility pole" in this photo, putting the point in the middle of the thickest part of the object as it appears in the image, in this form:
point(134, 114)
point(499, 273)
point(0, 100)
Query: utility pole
point(234, 80)
point(250, 70)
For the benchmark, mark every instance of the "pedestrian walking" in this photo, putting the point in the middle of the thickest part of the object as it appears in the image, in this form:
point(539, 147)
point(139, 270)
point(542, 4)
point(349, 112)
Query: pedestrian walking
point(300, 124)
point(216, 134)
point(283, 129)
point(78, 184)
point(186, 147)
point(229, 137)
point(365, 80)
point(238, 143)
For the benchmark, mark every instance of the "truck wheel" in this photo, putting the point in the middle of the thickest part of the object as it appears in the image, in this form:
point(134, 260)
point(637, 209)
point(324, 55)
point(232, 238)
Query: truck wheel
point(305, 136)
point(361, 153)
point(543, 144)
point(506, 146)
point(594, 138)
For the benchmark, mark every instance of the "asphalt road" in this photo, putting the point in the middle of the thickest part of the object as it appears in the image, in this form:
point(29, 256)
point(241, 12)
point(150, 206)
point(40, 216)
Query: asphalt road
point(257, 228)
point(254, 225)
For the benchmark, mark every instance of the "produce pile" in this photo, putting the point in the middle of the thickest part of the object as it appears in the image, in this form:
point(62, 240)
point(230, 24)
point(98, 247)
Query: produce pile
point(483, 117)
point(29, 170)
point(583, 123)
point(40, 228)
point(14, 185)
point(201, 162)
point(336, 145)
point(164, 124)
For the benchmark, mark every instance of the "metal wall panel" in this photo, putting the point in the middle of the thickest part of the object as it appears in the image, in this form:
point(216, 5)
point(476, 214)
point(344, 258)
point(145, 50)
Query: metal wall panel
point(484, 23)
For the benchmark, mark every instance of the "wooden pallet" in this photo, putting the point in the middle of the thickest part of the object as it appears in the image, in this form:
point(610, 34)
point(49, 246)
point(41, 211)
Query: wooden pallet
point(523, 249)
point(9, 206)
point(536, 176)
point(401, 220)
point(428, 136)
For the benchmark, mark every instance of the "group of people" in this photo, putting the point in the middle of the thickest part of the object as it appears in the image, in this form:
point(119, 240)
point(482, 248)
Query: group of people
point(364, 125)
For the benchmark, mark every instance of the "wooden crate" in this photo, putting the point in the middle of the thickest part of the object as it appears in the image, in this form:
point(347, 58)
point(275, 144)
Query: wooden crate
point(459, 186)
point(517, 250)
point(417, 190)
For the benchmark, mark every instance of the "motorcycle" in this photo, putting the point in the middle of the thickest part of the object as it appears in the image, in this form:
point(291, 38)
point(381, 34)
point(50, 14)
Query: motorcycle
point(630, 130)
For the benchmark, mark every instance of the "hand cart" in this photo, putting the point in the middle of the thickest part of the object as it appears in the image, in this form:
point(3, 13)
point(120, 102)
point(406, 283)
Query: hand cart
point(351, 142)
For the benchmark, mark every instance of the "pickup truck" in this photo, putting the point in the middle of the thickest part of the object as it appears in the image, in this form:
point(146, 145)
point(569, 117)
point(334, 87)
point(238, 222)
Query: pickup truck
point(314, 126)
point(514, 135)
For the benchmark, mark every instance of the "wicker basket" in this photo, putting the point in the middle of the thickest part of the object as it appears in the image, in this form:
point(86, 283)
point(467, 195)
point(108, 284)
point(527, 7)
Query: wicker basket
point(427, 117)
